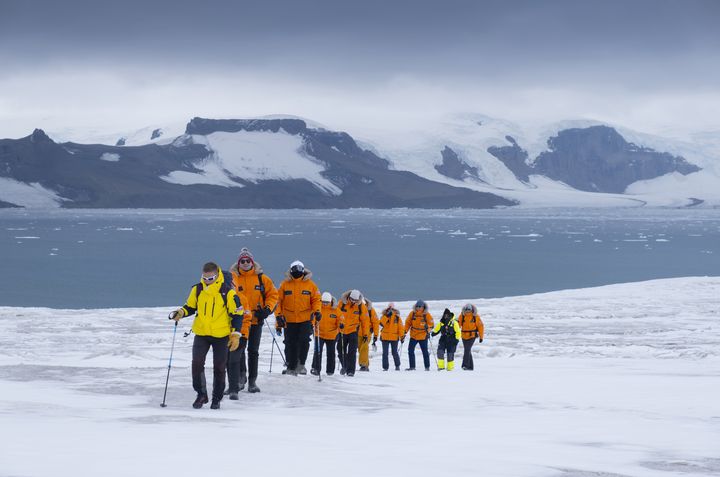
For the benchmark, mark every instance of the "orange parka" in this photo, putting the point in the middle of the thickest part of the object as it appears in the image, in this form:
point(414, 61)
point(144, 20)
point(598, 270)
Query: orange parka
point(354, 316)
point(392, 326)
point(471, 325)
point(374, 321)
point(252, 284)
point(298, 298)
point(330, 321)
point(418, 323)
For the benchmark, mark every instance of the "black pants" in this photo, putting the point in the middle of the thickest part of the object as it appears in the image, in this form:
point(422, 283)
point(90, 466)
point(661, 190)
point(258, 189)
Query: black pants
point(237, 370)
point(317, 355)
point(349, 345)
point(396, 356)
point(449, 345)
point(201, 346)
point(423, 348)
point(467, 362)
point(297, 343)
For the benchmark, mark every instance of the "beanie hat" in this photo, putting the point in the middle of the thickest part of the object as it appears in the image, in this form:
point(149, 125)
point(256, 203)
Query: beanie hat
point(355, 295)
point(326, 297)
point(245, 253)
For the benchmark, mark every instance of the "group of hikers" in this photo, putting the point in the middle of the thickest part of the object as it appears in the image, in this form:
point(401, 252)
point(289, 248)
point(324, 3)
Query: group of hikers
point(231, 309)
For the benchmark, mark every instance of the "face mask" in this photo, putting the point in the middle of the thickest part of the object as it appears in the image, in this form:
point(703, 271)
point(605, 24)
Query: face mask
point(296, 274)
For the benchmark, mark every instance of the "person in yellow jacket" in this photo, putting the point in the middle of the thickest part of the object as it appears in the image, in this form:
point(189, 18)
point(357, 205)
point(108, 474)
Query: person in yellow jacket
point(354, 323)
point(472, 327)
point(419, 323)
point(326, 331)
point(298, 306)
point(220, 312)
point(393, 329)
point(249, 279)
point(449, 331)
point(364, 339)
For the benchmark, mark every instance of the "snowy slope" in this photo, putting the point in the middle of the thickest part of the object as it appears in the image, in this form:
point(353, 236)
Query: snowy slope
point(616, 381)
point(252, 157)
point(31, 195)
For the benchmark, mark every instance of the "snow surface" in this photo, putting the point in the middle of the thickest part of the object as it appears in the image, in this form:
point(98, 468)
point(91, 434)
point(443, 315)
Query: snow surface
point(615, 381)
point(31, 195)
point(255, 156)
point(110, 156)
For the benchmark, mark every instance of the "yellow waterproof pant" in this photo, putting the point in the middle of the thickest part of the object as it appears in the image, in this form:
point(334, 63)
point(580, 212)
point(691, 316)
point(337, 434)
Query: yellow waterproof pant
point(364, 351)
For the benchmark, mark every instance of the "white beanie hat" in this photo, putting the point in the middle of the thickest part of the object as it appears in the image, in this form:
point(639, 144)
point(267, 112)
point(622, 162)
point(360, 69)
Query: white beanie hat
point(326, 297)
point(355, 295)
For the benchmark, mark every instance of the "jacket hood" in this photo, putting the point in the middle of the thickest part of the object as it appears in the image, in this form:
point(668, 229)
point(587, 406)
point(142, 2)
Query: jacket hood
point(257, 268)
point(219, 281)
point(394, 310)
point(333, 302)
point(474, 309)
point(307, 275)
point(345, 297)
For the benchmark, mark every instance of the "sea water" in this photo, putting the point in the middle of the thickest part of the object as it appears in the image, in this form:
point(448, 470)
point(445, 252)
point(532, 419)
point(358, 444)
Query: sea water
point(139, 258)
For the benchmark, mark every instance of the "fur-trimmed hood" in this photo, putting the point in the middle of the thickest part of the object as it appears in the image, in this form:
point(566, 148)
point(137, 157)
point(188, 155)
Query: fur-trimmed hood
point(333, 302)
point(307, 275)
point(345, 297)
point(474, 308)
point(257, 268)
point(394, 310)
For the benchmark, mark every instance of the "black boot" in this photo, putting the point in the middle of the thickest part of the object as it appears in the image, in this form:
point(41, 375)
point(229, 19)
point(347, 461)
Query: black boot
point(215, 404)
point(200, 401)
point(252, 387)
point(234, 396)
point(243, 380)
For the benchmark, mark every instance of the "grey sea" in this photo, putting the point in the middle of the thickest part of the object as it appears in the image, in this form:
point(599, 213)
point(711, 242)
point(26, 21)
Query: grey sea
point(139, 258)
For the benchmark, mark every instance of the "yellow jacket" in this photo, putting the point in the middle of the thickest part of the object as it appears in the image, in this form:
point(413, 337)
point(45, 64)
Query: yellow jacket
point(455, 326)
point(220, 309)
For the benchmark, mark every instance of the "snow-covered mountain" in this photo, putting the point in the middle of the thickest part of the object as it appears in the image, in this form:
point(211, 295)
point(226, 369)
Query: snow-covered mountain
point(466, 160)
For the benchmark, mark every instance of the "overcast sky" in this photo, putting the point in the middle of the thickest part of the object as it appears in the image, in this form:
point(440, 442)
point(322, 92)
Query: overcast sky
point(121, 65)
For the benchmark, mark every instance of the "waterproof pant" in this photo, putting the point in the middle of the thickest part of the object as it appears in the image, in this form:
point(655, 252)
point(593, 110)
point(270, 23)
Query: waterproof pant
point(296, 341)
point(317, 356)
point(467, 362)
point(396, 356)
point(235, 370)
point(423, 348)
point(305, 344)
point(339, 346)
point(201, 346)
point(449, 345)
point(349, 344)
point(364, 352)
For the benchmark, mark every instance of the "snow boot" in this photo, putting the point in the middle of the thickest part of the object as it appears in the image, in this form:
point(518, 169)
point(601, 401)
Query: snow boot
point(350, 374)
point(233, 396)
point(342, 371)
point(427, 369)
point(409, 369)
point(441, 364)
point(330, 373)
point(301, 369)
point(252, 387)
point(201, 400)
point(314, 372)
point(290, 372)
point(364, 368)
point(397, 368)
point(243, 380)
point(215, 404)
point(450, 365)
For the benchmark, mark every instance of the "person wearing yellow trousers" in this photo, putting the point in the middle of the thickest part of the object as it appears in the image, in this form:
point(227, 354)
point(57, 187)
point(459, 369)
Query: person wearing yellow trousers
point(419, 323)
point(354, 322)
point(472, 328)
point(298, 306)
point(449, 331)
point(220, 312)
point(393, 330)
point(364, 340)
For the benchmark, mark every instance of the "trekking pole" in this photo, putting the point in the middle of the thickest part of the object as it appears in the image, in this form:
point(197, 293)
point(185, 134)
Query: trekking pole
point(317, 354)
point(272, 333)
point(272, 351)
point(432, 348)
point(167, 379)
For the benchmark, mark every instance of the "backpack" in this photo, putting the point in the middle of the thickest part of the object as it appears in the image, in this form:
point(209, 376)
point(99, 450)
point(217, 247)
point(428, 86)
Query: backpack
point(224, 290)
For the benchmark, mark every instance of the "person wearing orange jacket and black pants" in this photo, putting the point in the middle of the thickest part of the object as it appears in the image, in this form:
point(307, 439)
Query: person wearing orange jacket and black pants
point(262, 296)
point(354, 322)
point(364, 338)
point(472, 327)
point(326, 330)
point(419, 322)
point(393, 330)
point(298, 306)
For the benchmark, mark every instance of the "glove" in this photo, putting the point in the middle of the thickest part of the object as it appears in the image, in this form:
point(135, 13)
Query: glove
point(374, 340)
point(177, 315)
point(402, 340)
point(364, 339)
point(316, 315)
point(388, 312)
point(262, 313)
point(234, 341)
point(280, 321)
point(479, 340)
point(342, 326)
point(278, 331)
point(435, 333)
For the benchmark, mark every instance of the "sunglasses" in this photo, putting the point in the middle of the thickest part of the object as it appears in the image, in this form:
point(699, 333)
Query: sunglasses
point(209, 279)
point(245, 260)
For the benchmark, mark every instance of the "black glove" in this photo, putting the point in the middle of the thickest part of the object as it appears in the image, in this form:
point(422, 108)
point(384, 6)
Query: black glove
point(402, 340)
point(374, 340)
point(388, 312)
point(342, 326)
point(435, 333)
point(479, 340)
point(280, 320)
point(316, 315)
point(278, 331)
point(364, 339)
point(262, 313)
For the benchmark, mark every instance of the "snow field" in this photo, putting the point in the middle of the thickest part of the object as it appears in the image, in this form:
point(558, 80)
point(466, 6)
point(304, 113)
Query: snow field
point(612, 381)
